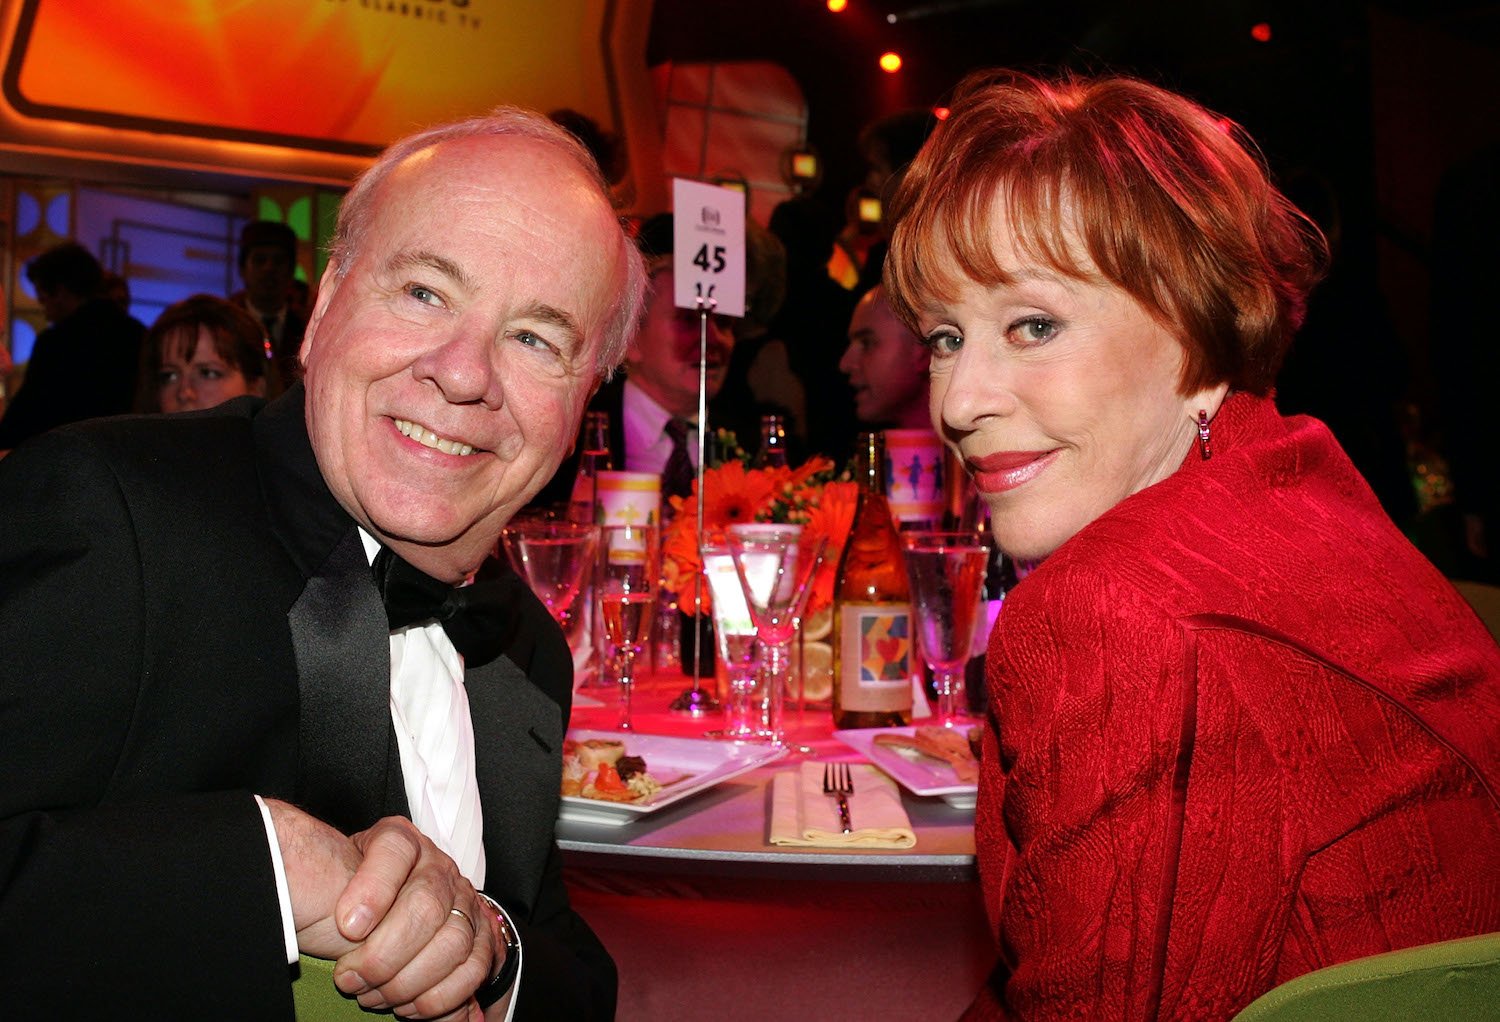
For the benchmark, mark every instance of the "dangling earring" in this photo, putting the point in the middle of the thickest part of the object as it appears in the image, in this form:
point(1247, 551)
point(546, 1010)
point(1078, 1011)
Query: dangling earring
point(1203, 447)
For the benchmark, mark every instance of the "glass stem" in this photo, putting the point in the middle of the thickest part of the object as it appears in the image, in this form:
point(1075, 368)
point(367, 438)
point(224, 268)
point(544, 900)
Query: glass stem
point(777, 656)
point(627, 683)
point(950, 691)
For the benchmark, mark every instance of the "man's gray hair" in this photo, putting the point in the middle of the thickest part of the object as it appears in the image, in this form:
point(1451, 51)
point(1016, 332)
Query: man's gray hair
point(356, 211)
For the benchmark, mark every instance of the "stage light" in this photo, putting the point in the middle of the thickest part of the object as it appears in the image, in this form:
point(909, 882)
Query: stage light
point(941, 112)
point(1261, 32)
point(837, 6)
point(890, 62)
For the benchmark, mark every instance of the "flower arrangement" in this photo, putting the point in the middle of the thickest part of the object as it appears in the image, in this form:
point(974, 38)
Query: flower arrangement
point(810, 496)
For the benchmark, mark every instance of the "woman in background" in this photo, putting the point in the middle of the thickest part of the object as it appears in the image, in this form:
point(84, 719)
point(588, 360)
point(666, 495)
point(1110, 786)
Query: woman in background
point(1240, 729)
point(201, 352)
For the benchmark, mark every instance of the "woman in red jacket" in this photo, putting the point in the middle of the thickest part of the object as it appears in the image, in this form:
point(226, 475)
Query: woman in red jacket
point(1241, 729)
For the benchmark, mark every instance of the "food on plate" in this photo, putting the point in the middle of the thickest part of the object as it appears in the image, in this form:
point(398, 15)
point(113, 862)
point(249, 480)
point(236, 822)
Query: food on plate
point(593, 751)
point(940, 743)
point(599, 768)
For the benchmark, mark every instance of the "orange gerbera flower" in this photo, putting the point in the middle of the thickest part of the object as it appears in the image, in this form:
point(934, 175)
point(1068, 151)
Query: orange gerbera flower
point(831, 516)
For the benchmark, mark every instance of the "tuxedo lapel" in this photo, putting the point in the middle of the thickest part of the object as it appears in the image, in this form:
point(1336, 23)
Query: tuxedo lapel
point(349, 766)
point(348, 758)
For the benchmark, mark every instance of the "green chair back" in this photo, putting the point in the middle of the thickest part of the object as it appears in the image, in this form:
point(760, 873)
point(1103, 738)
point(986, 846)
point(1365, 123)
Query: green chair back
point(316, 999)
point(1452, 981)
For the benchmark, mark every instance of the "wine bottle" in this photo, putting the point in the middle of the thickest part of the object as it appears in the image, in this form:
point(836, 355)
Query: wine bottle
point(873, 646)
point(593, 458)
point(772, 450)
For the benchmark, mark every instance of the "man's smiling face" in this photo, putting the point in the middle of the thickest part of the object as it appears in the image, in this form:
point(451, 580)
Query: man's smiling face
point(448, 365)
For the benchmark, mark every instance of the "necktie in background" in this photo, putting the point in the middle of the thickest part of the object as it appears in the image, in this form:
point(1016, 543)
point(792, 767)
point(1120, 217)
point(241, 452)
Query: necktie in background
point(677, 475)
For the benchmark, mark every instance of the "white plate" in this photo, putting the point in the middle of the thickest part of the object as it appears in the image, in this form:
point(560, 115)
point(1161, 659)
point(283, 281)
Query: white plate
point(920, 776)
point(684, 766)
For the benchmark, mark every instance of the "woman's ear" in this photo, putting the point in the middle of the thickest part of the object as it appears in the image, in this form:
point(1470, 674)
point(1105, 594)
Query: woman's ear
point(1207, 400)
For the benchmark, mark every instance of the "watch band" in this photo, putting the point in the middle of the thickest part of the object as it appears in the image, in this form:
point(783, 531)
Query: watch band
point(503, 980)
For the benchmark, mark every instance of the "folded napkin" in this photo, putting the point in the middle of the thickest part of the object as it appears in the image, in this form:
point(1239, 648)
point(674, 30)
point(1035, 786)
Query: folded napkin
point(802, 815)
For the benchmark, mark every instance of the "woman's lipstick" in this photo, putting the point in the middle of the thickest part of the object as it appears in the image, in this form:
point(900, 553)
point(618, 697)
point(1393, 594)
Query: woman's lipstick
point(1005, 470)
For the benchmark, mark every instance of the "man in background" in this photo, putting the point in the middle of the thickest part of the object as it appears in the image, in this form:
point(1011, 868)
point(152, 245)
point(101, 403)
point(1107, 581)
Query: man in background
point(268, 265)
point(653, 405)
point(887, 367)
point(84, 364)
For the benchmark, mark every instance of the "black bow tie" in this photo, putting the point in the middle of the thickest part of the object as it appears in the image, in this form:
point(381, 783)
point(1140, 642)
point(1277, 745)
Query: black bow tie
point(473, 616)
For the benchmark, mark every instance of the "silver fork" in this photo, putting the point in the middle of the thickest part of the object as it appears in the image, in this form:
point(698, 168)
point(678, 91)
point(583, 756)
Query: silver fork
point(838, 782)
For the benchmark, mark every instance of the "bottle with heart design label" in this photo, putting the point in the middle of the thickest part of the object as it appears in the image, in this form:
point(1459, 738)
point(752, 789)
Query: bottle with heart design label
point(873, 650)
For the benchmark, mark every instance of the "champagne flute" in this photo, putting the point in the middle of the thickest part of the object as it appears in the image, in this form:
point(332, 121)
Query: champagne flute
point(946, 570)
point(629, 564)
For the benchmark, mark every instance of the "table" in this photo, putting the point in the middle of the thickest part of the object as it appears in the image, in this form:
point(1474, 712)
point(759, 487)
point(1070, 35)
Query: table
point(707, 920)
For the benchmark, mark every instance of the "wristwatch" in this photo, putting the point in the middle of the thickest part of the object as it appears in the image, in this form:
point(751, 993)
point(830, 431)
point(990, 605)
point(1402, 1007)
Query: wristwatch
point(503, 980)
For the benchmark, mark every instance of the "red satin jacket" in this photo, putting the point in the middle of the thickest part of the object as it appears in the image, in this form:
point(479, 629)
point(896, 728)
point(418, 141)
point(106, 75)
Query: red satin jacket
point(1242, 730)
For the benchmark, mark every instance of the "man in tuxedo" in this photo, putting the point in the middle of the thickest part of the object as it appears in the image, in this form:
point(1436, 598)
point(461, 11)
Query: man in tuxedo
point(221, 750)
point(653, 404)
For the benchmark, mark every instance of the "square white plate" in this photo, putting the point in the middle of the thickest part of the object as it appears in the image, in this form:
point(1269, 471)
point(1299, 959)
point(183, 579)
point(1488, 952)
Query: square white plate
point(684, 766)
point(920, 775)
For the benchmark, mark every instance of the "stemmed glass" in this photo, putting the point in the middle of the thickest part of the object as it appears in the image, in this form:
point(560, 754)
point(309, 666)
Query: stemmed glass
point(775, 576)
point(946, 570)
point(553, 557)
point(745, 712)
point(629, 563)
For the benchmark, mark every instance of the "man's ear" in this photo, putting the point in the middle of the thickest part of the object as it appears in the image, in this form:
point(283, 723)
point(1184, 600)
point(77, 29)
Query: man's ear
point(327, 285)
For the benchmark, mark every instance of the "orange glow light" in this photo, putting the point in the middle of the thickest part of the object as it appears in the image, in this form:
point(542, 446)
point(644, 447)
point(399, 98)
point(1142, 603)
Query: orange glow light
point(941, 112)
point(1261, 32)
point(837, 6)
point(890, 62)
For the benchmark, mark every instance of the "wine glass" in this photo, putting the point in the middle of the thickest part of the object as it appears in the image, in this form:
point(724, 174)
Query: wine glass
point(629, 562)
point(775, 576)
point(553, 557)
point(946, 570)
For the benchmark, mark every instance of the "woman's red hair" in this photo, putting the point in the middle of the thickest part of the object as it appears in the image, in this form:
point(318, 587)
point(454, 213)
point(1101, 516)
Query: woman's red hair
point(1170, 201)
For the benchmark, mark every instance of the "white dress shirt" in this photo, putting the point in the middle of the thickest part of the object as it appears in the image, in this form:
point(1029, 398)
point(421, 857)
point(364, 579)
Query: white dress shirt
point(647, 445)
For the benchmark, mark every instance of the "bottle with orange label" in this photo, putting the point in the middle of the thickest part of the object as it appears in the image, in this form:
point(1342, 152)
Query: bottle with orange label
point(873, 651)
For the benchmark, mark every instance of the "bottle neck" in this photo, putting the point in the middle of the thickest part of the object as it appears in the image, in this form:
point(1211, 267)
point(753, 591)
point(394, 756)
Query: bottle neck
point(869, 464)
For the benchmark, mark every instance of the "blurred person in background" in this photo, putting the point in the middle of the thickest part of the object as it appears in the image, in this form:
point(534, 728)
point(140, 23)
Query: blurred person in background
point(84, 364)
point(201, 352)
point(653, 404)
point(887, 367)
point(812, 322)
point(268, 265)
point(1240, 728)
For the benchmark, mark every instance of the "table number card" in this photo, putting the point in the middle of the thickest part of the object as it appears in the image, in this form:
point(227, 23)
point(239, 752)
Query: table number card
point(708, 242)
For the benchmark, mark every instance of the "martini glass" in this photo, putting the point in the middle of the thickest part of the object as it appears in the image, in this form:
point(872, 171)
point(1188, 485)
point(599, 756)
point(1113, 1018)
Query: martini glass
point(629, 563)
point(775, 575)
point(554, 557)
point(946, 570)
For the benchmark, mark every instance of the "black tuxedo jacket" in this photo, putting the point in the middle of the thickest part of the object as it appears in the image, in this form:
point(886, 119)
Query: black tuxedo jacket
point(189, 618)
